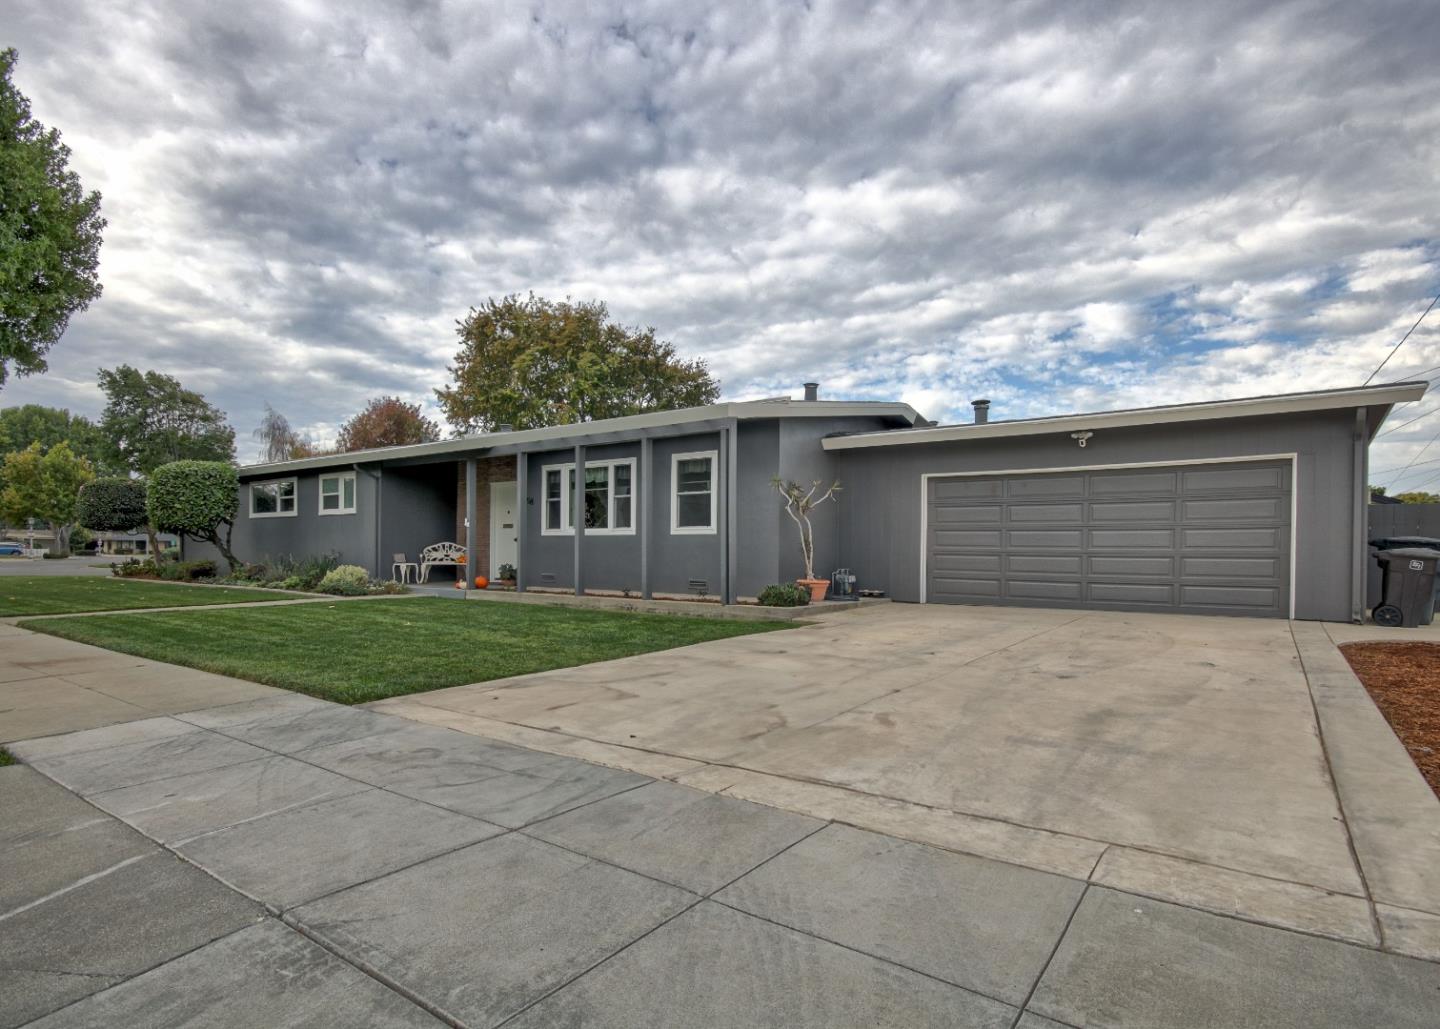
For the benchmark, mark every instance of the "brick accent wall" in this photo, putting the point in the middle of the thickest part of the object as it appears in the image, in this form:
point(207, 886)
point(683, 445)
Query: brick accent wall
point(487, 470)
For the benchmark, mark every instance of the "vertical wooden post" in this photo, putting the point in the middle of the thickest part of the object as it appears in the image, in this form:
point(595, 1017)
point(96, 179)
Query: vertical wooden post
point(522, 517)
point(578, 517)
point(640, 494)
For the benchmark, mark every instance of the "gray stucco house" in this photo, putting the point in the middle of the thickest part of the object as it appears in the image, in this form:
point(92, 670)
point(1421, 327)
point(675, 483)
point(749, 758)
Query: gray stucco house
point(1253, 506)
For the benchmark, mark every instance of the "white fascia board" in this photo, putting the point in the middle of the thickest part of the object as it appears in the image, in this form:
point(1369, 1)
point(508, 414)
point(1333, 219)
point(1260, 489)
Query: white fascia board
point(1292, 403)
point(741, 410)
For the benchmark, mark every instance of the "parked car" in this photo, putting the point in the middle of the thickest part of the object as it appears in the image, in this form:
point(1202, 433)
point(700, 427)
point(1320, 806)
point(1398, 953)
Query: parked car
point(9, 548)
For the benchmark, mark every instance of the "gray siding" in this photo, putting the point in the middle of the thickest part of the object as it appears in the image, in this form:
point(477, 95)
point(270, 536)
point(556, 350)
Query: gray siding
point(417, 508)
point(879, 517)
point(307, 533)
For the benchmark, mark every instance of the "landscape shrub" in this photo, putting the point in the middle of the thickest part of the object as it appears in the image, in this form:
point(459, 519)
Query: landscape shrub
point(51, 555)
point(785, 594)
point(187, 571)
point(307, 573)
point(135, 568)
point(112, 504)
point(346, 581)
point(198, 499)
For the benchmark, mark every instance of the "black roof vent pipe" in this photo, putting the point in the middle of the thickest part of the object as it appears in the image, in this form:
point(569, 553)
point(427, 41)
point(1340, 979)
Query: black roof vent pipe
point(812, 391)
point(982, 411)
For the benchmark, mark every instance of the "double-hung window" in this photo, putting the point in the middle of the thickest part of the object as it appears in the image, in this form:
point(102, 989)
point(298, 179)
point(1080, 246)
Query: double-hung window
point(609, 498)
point(274, 499)
point(692, 492)
point(337, 494)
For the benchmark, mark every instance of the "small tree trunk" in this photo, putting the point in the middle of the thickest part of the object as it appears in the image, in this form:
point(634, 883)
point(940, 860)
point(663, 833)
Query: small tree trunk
point(223, 545)
point(154, 541)
point(62, 539)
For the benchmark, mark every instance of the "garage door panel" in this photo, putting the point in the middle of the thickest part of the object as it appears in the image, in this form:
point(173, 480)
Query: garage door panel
point(979, 588)
point(1124, 566)
point(1233, 539)
point(1231, 568)
point(1133, 511)
point(1107, 483)
point(1229, 596)
point(1044, 564)
point(1133, 539)
point(1058, 513)
point(1033, 538)
point(968, 538)
point(975, 515)
point(1212, 539)
point(1039, 590)
point(1045, 486)
point(1148, 593)
point(946, 562)
point(969, 489)
point(1231, 479)
point(1246, 509)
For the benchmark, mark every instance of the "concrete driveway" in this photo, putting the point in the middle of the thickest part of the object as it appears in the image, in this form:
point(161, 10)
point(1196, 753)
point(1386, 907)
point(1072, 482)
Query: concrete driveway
point(212, 859)
point(1182, 757)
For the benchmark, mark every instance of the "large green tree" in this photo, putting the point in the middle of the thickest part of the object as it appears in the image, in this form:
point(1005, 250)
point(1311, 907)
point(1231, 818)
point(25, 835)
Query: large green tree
point(49, 234)
point(45, 484)
point(531, 362)
point(33, 423)
point(150, 420)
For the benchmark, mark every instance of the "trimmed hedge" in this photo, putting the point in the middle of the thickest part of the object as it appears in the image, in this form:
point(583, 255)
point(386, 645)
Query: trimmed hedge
point(785, 594)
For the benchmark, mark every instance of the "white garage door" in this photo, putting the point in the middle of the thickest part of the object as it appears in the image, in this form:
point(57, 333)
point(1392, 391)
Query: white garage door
point(1211, 538)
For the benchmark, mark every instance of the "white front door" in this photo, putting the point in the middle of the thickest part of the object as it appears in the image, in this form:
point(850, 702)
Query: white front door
point(504, 528)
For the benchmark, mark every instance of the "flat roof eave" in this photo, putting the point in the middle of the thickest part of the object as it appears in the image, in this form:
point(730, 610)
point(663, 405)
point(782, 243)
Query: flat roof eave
point(1246, 407)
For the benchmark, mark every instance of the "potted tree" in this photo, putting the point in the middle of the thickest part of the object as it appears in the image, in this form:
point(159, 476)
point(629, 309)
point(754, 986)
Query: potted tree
point(799, 502)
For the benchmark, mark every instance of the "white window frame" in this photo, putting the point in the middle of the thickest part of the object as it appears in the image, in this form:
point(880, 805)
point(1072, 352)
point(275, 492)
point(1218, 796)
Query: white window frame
point(567, 498)
point(676, 529)
point(340, 477)
point(277, 513)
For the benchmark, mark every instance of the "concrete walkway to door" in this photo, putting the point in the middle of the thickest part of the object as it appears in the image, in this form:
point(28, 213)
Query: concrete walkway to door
point(1186, 758)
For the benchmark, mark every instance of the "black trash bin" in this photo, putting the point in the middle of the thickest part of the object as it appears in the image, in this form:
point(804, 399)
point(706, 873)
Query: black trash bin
point(1409, 590)
point(1395, 543)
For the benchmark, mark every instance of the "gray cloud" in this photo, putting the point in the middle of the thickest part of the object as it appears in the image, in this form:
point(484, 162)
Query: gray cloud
point(1062, 205)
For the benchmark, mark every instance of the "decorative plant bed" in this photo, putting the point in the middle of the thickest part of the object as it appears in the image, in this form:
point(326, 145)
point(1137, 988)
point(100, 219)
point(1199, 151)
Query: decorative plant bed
point(1404, 681)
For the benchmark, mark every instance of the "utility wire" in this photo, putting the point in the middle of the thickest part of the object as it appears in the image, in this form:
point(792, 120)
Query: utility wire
point(1377, 472)
point(1412, 421)
point(1403, 339)
point(1426, 447)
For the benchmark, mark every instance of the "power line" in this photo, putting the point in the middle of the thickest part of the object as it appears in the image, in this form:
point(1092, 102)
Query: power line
point(1403, 339)
point(1421, 486)
point(1420, 375)
point(1412, 421)
point(1377, 472)
point(1426, 447)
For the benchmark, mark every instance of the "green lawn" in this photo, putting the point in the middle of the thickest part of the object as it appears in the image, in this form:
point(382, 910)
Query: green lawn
point(6, 758)
point(367, 650)
point(66, 594)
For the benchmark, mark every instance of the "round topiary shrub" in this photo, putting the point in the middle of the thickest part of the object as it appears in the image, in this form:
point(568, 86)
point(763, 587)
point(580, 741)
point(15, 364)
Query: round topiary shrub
point(346, 581)
point(785, 594)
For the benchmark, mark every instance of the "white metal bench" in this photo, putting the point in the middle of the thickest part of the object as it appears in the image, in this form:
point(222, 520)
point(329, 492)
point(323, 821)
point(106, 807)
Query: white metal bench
point(439, 555)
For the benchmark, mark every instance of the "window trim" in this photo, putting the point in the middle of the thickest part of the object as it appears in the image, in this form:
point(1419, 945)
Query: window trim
point(567, 497)
point(676, 529)
point(277, 513)
point(354, 493)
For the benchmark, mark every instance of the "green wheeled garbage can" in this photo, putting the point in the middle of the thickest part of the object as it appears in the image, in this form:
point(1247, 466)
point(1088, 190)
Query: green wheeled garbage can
point(1409, 591)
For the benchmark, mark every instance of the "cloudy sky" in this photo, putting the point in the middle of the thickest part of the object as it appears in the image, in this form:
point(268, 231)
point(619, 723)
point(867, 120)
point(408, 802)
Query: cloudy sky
point(1059, 205)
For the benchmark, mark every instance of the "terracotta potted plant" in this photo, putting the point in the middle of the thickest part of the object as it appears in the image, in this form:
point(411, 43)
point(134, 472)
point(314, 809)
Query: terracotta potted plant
point(799, 502)
point(507, 576)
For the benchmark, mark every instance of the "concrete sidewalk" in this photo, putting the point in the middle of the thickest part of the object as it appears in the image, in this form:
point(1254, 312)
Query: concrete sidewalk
point(283, 861)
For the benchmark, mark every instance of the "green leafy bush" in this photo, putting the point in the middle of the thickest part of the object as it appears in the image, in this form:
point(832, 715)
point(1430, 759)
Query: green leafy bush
point(346, 581)
point(196, 499)
point(135, 568)
point(51, 555)
point(112, 504)
point(785, 594)
point(307, 573)
point(187, 571)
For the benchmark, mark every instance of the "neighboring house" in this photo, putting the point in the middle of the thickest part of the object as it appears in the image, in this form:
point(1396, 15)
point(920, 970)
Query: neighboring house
point(1252, 506)
point(120, 544)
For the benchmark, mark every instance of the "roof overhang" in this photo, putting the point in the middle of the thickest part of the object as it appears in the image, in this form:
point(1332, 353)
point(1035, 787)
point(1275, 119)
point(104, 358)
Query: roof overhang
point(1250, 407)
point(607, 427)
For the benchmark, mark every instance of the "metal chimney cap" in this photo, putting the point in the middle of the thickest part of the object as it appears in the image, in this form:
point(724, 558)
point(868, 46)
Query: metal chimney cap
point(812, 390)
point(982, 410)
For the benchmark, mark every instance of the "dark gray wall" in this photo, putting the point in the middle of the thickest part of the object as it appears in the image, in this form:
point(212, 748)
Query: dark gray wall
point(758, 534)
point(417, 508)
point(609, 562)
point(804, 459)
point(879, 517)
point(307, 533)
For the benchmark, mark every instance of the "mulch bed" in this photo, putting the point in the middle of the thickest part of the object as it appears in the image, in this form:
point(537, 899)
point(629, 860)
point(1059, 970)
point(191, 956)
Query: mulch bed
point(1404, 681)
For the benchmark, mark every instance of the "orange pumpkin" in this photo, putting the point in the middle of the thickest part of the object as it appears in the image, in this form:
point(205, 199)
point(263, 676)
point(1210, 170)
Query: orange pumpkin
point(481, 582)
